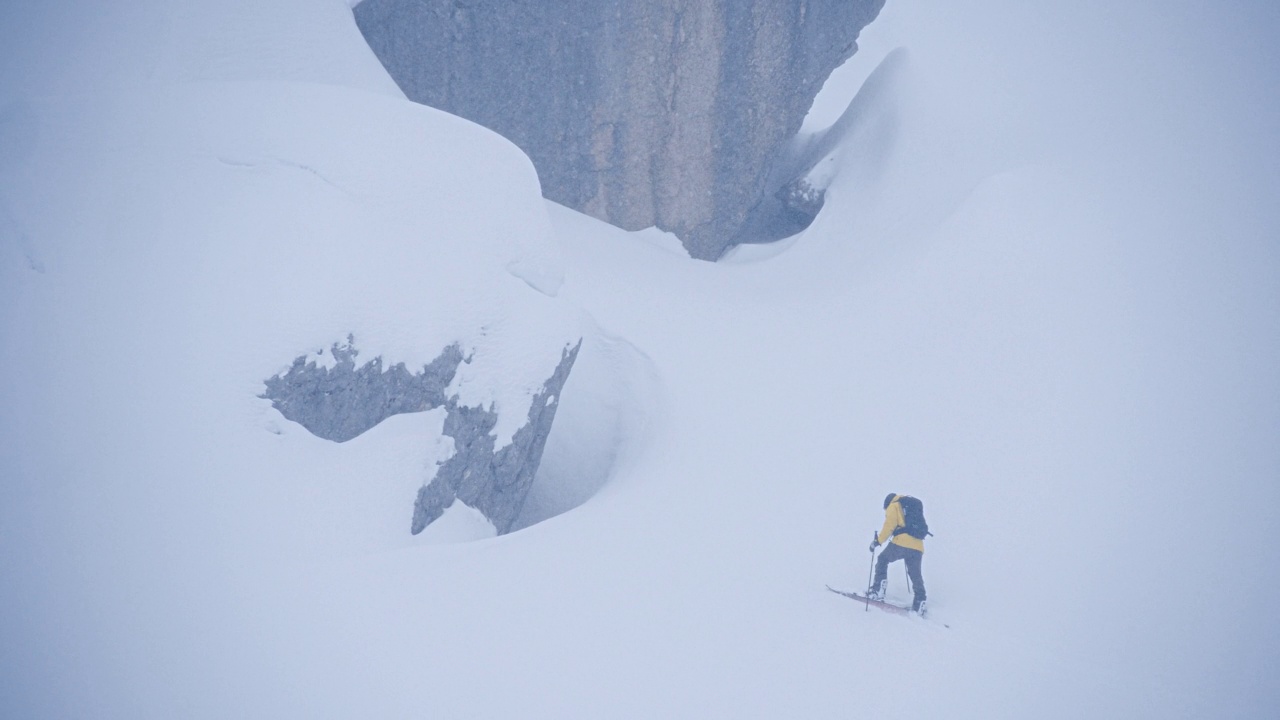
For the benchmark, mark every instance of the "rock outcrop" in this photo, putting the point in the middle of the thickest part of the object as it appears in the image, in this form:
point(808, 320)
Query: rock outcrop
point(495, 481)
point(343, 401)
point(638, 112)
point(340, 402)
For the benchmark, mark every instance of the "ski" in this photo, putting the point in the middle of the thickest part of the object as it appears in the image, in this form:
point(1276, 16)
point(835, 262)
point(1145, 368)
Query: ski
point(887, 607)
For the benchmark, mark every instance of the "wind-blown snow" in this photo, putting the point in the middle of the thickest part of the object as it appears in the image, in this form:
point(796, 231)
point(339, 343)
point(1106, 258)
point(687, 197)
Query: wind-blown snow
point(1042, 296)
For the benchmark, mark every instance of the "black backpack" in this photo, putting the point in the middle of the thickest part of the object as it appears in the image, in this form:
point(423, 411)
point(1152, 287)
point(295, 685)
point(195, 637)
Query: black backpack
point(913, 514)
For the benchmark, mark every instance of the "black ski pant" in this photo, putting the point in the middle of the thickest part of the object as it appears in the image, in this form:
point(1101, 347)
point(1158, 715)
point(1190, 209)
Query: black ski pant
point(912, 558)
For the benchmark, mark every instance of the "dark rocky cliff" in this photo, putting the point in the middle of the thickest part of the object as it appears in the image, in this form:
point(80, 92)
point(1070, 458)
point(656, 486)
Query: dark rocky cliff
point(638, 112)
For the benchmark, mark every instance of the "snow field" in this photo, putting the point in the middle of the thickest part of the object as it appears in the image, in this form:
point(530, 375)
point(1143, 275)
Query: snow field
point(1041, 297)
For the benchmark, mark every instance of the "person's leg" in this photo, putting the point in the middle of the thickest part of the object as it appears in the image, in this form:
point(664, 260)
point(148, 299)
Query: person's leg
point(890, 553)
point(914, 559)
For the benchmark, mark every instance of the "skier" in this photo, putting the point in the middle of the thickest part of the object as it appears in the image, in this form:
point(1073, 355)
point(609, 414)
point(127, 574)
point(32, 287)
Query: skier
point(903, 546)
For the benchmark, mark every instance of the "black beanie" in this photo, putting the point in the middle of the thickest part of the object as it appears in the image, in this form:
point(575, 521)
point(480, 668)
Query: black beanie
point(888, 500)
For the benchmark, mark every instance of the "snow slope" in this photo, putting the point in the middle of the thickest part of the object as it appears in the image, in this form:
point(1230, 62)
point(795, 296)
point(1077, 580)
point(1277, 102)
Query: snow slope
point(1042, 296)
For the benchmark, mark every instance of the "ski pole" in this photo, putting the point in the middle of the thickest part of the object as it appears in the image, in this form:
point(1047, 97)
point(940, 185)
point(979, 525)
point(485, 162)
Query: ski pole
point(870, 569)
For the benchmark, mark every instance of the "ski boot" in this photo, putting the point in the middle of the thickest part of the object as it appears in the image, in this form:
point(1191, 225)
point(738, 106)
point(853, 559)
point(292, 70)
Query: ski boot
point(876, 592)
point(921, 608)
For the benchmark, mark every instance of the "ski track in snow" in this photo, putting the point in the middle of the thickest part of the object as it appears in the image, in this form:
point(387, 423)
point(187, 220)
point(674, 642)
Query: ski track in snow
point(278, 162)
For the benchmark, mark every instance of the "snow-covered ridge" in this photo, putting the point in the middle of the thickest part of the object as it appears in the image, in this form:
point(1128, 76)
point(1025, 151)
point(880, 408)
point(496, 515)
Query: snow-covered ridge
point(249, 204)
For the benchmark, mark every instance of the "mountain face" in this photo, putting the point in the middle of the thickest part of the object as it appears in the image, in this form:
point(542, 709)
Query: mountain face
point(640, 113)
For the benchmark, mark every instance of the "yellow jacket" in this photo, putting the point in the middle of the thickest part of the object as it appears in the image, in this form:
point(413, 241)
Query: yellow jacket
point(893, 519)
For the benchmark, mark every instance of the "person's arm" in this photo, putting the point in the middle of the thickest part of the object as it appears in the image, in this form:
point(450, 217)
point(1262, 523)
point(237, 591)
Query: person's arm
point(892, 521)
